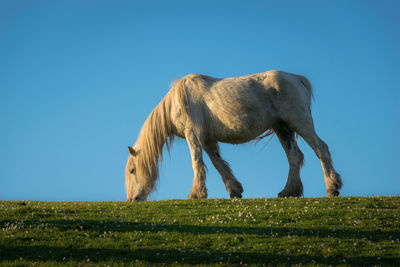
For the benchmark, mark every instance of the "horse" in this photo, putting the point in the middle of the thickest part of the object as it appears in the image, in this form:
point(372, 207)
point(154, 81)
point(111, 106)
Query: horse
point(206, 110)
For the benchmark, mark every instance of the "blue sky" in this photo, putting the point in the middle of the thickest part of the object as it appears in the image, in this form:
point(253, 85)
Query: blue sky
point(78, 79)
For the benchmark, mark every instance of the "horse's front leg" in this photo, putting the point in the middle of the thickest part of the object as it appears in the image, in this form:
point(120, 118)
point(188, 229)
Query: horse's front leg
point(199, 189)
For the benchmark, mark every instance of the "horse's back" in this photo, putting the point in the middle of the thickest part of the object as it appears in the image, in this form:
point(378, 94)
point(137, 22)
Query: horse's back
point(238, 109)
point(261, 95)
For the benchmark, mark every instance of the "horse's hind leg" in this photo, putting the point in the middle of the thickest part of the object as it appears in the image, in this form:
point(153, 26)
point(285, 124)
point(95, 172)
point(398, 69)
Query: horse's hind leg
point(199, 189)
point(232, 185)
point(332, 178)
point(294, 187)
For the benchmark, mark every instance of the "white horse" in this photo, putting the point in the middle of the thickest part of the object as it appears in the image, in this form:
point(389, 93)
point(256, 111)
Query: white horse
point(206, 110)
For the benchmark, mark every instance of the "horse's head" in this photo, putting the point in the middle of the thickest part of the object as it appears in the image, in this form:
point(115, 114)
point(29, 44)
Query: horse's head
point(135, 190)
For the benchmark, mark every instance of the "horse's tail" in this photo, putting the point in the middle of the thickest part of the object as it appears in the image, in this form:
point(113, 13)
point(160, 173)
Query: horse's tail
point(306, 84)
point(269, 132)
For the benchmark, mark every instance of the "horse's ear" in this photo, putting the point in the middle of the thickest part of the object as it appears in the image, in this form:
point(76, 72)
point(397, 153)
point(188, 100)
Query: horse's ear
point(132, 151)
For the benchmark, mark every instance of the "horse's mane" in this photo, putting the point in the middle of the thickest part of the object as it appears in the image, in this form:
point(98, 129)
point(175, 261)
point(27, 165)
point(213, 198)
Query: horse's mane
point(155, 132)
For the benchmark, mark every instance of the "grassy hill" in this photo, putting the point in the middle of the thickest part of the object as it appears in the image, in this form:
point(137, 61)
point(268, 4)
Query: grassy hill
point(293, 231)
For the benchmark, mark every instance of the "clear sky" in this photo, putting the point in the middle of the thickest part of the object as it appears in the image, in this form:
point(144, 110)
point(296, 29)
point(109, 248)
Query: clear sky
point(79, 78)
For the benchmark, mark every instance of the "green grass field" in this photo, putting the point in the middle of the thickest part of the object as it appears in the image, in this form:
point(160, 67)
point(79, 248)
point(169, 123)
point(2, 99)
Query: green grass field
point(292, 231)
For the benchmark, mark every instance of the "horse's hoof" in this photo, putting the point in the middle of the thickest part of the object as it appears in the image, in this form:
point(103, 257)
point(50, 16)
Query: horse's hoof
point(235, 195)
point(333, 193)
point(289, 194)
point(192, 196)
point(197, 195)
point(282, 194)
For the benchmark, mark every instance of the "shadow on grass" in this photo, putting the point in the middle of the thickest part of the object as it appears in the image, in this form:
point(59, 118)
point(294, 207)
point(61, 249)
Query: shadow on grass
point(99, 227)
point(155, 256)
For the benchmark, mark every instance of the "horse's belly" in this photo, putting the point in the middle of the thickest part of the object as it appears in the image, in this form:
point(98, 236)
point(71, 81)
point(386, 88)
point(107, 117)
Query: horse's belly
point(240, 128)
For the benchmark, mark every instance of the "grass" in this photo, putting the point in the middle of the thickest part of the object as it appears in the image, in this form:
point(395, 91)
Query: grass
point(292, 231)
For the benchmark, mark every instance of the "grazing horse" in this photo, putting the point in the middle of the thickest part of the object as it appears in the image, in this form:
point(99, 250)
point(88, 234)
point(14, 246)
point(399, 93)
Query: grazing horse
point(206, 110)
